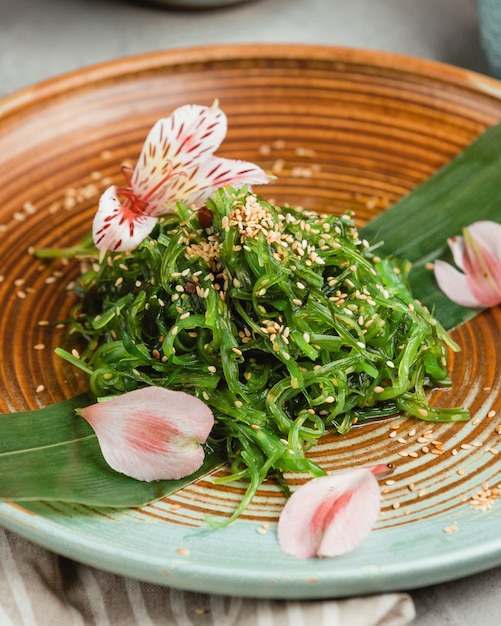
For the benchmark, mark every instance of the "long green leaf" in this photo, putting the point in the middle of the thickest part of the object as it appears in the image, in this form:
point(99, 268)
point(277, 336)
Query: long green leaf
point(51, 454)
point(416, 228)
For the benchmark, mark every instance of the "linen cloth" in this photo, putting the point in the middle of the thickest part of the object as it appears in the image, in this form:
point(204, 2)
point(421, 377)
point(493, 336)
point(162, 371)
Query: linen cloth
point(40, 588)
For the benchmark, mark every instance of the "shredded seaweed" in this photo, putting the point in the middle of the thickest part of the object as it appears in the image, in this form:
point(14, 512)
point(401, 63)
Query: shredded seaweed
point(283, 321)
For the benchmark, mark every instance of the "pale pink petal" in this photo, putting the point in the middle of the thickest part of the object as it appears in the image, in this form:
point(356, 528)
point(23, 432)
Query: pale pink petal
point(118, 227)
point(455, 285)
point(151, 433)
point(381, 469)
point(330, 515)
point(478, 254)
point(190, 135)
point(483, 270)
point(488, 235)
point(456, 245)
point(202, 180)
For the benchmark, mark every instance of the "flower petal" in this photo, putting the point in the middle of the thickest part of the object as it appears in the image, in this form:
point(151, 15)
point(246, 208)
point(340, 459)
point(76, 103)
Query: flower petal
point(488, 235)
point(455, 285)
point(456, 246)
point(191, 134)
point(151, 433)
point(483, 269)
point(117, 227)
point(330, 515)
point(202, 180)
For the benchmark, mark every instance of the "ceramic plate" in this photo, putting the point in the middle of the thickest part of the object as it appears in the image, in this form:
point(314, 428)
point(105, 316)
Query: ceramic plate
point(342, 129)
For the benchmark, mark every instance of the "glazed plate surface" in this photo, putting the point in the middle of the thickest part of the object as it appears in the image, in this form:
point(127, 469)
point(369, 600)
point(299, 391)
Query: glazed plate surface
point(342, 129)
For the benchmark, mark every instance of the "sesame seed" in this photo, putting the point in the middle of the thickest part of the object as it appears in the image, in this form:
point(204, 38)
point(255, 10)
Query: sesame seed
point(39, 346)
point(40, 388)
point(453, 528)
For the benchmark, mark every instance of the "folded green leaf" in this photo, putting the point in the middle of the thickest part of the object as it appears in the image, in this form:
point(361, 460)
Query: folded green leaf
point(416, 228)
point(51, 454)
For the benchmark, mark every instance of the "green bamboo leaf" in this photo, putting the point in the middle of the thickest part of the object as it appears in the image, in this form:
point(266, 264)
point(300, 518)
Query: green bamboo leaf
point(52, 454)
point(416, 228)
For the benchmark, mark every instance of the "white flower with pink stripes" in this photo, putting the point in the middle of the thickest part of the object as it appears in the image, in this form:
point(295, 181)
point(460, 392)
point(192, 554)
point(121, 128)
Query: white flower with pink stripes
point(176, 164)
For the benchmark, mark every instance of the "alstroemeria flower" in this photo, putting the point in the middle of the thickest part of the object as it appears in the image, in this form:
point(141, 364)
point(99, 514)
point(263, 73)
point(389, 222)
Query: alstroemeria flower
point(151, 433)
point(331, 515)
point(177, 163)
point(478, 255)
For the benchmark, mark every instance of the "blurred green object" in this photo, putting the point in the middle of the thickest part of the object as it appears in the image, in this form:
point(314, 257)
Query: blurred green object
point(489, 15)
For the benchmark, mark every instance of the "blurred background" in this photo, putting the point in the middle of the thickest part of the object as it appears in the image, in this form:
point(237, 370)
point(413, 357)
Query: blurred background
point(43, 38)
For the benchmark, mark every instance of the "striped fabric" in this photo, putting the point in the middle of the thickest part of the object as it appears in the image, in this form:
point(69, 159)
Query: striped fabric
point(39, 588)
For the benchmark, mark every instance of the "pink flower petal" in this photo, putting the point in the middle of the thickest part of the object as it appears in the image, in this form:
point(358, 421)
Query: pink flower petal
point(488, 236)
point(205, 178)
point(190, 135)
point(456, 246)
point(455, 285)
point(151, 433)
point(330, 515)
point(117, 226)
point(483, 270)
point(478, 254)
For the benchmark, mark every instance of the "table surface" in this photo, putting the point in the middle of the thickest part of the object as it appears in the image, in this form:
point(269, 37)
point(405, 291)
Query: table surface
point(40, 39)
